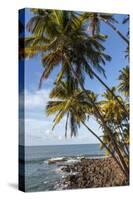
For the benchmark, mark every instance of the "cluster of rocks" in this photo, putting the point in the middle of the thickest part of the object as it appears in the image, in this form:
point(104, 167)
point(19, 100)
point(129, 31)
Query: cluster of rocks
point(91, 173)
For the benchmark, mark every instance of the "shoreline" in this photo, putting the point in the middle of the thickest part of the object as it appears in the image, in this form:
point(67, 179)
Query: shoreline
point(91, 173)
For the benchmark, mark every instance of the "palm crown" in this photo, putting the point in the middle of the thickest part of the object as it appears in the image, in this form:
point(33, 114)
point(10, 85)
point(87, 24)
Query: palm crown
point(72, 103)
point(124, 81)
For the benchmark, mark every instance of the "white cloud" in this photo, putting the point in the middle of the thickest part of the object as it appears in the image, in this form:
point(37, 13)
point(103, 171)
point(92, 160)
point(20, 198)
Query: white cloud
point(38, 127)
point(60, 138)
point(48, 132)
point(36, 99)
point(39, 132)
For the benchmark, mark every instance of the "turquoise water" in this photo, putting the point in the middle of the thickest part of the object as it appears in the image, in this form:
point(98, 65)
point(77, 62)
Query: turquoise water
point(40, 176)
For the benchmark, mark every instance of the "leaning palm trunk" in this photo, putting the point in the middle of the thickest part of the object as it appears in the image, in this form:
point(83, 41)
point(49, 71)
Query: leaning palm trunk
point(106, 147)
point(117, 31)
point(126, 170)
point(125, 149)
point(126, 146)
point(66, 124)
point(102, 120)
point(117, 99)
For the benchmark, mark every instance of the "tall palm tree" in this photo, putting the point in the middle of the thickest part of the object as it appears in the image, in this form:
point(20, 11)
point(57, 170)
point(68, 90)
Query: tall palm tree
point(114, 119)
point(126, 21)
point(110, 105)
point(95, 20)
point(68, 35)
point(124, 81)
point(66, 26)
point(73, 104)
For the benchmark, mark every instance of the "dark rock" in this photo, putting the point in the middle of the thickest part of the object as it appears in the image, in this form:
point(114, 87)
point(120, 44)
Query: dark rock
point(93, 173)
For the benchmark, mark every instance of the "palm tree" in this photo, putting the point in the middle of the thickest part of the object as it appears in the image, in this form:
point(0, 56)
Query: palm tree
point(70, 102)
point(71, 47)
point(68, 34)
point(124, 81)
point(95, 20)
point(114, 119)
point(126, 21)
point(73, 104)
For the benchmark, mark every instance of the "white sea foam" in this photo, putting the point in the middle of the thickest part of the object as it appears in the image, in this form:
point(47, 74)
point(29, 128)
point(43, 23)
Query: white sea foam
point(45, 161)
point(57, 158)
point(45, 182)
point(70, 161)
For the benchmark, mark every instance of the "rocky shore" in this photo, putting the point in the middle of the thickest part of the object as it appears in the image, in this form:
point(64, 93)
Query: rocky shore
point(92, 173)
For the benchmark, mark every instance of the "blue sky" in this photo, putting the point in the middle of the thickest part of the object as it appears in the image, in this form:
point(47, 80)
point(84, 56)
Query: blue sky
point(38, 127)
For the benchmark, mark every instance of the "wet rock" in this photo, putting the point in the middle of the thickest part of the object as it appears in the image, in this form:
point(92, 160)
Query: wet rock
point(93, 173)
point(66, 169)
point(56, 160)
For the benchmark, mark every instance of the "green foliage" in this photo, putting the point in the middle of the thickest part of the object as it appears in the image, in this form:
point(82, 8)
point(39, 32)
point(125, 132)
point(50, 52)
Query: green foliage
point(71, 102)
point(74, 42)
point(124, 81)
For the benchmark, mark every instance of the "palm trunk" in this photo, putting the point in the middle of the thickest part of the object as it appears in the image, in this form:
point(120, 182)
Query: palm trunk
point(66, 124)
point(112, 154)
point(117, 31)
point(125, 144)
point(98, 78)
point(109, 132)
point(124, 148)
point(101, 118)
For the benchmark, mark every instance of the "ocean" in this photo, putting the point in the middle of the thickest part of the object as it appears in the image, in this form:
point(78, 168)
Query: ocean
point(42, 176)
